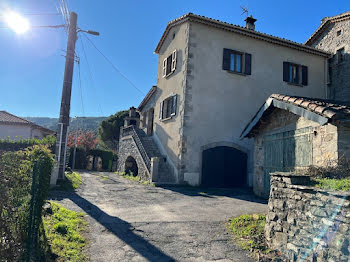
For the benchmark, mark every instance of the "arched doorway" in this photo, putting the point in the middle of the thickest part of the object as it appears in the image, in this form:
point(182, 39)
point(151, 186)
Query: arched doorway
point(131, 166)
point(224, 166)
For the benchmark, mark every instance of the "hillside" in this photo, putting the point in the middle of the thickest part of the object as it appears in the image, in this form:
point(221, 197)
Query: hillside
point(84, 123)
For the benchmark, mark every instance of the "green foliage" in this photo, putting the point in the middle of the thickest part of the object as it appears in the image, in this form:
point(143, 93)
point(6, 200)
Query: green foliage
point(64, 230)
point(109, 130)
point(70, 183)
point(106, 156)
point(16, 145)
point(131, 176)
point(16, 199)
point(333, 184)
point(248, 230)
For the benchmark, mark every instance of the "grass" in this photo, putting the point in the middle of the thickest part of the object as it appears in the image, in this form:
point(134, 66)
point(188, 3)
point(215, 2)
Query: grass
point(333, 184)
point(71, 183)
point(134, 178)
point(248, 231)
point(64, 231)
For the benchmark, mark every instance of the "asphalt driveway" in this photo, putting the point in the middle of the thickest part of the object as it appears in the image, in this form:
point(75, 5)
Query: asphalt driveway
point(134, 222)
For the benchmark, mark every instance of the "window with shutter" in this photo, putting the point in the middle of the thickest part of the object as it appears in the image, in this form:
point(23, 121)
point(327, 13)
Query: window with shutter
point(169, 64)
point(173, 105)
point(161, 110)
point(168, 108)
point(295, 74)
point(236, 62)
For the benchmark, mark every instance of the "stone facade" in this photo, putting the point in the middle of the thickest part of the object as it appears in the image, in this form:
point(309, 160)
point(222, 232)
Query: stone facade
point(128, 147)
point(305, 223)
point(335, 37)
point(324, 142)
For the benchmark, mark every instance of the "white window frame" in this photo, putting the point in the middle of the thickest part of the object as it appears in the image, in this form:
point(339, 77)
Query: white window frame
point(172, 68)
point(164, 113)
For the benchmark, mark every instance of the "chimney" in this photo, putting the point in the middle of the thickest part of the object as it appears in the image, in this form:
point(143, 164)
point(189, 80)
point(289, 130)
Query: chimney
point(250, 22)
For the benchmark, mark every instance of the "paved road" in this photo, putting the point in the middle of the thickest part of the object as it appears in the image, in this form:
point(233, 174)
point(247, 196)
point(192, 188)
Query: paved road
point(134, 222)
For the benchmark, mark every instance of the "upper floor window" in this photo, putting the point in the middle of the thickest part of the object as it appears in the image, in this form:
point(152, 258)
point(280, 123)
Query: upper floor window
point(237, 62)
point(168, 107)
point(295, 74)
point(341, 55)
point(169, 64)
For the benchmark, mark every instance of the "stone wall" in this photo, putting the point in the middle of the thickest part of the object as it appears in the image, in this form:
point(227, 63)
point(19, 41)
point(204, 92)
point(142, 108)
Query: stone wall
point(127, 147)
point(339, 76)
point(325, 146)
point(305, 223)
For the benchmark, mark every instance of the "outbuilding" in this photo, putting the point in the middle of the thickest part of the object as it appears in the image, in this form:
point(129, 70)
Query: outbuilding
point(293, 133)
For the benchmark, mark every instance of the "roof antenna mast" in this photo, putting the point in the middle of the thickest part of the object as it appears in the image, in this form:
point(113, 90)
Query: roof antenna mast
point(245, 10)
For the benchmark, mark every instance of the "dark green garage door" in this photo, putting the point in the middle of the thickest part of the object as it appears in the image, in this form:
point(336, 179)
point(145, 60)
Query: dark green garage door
point(224, 166)
point(286, 150)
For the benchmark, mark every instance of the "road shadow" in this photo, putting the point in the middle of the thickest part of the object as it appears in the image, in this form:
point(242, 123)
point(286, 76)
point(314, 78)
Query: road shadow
point(242, 193)
point(120, 228)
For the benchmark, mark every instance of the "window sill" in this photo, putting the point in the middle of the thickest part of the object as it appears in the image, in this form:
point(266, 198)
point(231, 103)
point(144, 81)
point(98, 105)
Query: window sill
point(169, 74)
point(236, 73)
point(294, 84)
point(166, 119)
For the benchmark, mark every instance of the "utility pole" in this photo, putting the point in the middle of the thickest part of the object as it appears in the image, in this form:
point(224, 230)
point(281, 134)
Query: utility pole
point(63, 123)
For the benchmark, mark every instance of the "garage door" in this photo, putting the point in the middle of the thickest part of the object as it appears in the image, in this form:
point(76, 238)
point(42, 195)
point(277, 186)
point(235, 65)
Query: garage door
point(224, 166)
point(286, 150)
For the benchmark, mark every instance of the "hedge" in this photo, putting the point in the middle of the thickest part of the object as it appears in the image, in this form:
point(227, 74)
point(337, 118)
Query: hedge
point(16, 145)
point(24, 187)
point(81, 155)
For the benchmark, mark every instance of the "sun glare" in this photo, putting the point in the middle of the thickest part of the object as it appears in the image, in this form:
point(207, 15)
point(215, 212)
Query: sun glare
point(17, 22)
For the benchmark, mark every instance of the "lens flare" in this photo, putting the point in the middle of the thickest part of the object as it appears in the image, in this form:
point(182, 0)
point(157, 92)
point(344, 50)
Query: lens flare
point(17, 22)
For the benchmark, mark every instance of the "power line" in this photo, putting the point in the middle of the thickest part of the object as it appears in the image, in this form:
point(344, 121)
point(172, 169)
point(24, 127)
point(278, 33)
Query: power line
point(81, 90)
point(113, 66)
point(91, 78)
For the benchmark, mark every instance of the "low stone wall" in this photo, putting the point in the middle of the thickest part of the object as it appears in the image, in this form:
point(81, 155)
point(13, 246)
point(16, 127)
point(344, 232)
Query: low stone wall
point(306, 223)
point(127, 147)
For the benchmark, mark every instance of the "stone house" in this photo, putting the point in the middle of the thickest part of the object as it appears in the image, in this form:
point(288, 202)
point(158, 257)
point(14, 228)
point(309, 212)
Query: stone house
point(294, 133)
point(15, 128)
point(333, 35)
point(212, 77)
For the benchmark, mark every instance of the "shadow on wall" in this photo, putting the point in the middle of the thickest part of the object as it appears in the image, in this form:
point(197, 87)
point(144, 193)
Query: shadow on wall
point(165, 138)
point(120, 228)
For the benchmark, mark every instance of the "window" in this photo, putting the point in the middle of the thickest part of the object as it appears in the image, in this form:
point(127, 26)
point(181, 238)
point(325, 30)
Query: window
point(169, 64)
point(341, 55)
point(236, 62)
point(144, 119)
point(295, 74)
point(338, 32)
point(168, 107)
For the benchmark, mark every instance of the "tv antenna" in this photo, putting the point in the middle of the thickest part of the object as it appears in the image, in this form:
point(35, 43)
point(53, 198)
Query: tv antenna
point(245, 10)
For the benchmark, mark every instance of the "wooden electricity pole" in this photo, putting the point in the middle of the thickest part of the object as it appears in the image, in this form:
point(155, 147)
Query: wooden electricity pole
point(63, 123)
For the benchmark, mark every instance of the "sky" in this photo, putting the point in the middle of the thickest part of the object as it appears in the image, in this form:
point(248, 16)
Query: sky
point(31, 74)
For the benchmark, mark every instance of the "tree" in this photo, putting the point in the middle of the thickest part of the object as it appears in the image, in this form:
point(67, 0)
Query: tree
point(109, 130)
point(86, 140)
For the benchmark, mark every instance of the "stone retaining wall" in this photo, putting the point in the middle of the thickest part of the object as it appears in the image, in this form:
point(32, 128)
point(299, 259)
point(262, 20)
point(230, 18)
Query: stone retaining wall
point(306, 223)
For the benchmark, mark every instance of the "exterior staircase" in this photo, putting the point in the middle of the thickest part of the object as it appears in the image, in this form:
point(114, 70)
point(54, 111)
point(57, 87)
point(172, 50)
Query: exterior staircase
point(165, 172)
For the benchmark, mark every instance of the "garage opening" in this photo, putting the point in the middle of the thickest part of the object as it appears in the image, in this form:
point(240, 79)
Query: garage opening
point(131, 166)
point(224, 166)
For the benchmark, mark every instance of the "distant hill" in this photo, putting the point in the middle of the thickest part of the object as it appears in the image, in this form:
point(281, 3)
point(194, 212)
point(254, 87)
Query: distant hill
point(84, 123)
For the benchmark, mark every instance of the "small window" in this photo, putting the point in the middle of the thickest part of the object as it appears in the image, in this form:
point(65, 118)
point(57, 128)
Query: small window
point(168, 108)
point(295, 74)
point(236, 62)
point(341, 55)
point(144, 119)
point(169, 64)
point(338, 32)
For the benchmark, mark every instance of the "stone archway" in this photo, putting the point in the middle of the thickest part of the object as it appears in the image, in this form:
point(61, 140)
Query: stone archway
point(131, 166)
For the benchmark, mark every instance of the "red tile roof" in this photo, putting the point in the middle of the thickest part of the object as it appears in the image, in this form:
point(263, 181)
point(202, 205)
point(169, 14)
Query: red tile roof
point(7, 118)
point(240, 30)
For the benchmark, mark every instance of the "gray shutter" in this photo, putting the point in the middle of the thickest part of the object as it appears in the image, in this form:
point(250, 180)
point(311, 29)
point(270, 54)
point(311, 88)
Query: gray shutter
point(226, 59)
point(248, 64)
point(286, 71)
point(173, 105)
point(304, 75)
point(161, 111)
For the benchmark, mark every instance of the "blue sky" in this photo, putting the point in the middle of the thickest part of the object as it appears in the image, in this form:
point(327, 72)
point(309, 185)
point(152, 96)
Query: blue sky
point(33, 63)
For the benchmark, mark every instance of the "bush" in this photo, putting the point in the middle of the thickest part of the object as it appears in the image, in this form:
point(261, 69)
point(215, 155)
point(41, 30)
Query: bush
point(16, 145)
point(332, 169)
point(20, 193)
